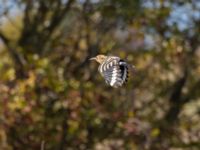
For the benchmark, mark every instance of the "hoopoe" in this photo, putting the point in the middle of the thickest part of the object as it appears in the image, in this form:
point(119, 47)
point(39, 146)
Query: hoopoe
point(113, 69)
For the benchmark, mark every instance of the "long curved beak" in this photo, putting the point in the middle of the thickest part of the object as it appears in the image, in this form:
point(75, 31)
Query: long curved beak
point(93, 58)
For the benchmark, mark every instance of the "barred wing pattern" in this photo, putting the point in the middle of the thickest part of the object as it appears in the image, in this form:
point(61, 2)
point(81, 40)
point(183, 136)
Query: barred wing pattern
point(114, 70)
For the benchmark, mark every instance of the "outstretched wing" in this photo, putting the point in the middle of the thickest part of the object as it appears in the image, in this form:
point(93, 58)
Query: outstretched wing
point(114, 71)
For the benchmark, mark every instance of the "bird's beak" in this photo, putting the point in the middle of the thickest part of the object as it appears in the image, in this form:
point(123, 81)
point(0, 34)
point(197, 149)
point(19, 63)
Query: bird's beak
point(93, 58)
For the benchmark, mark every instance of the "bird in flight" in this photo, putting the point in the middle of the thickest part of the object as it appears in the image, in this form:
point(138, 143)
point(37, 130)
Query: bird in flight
point(113, 69)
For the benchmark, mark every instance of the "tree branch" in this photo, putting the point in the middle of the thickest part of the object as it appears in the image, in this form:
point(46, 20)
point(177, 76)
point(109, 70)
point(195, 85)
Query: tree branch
point(57, 17)
point(193, 93)
point(18, 60)
point(176, 99)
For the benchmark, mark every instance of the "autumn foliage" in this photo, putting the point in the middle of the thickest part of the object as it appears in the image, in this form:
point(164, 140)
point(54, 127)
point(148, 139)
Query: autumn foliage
point(52, 96)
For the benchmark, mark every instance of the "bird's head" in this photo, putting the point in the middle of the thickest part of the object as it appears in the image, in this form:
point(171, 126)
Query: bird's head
point(99, 58)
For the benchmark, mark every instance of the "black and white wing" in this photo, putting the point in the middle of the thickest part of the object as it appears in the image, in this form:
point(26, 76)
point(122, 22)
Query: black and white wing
point(124, 70)
point(114, 70)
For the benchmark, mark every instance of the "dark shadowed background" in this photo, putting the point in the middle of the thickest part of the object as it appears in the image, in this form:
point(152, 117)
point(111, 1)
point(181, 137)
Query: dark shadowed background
point(53, 98)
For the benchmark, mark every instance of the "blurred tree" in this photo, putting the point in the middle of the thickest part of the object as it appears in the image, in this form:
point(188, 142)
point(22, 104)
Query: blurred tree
point(52, 97)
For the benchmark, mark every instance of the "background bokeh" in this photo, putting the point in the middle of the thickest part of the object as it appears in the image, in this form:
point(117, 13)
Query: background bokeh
point(53, 98)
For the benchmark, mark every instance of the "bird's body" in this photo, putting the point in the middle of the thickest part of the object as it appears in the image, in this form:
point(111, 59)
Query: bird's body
point(113, 69)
